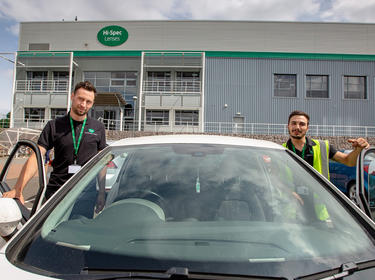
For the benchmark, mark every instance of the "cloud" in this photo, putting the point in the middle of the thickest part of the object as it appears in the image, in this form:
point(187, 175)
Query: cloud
point(249, 10)
point(14, 29)
point(350, 11)
point(285, 10)
point(40, 10)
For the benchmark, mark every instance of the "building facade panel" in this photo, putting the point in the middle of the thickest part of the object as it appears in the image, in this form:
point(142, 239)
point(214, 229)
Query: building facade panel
point(256, 36)
point(248, 86)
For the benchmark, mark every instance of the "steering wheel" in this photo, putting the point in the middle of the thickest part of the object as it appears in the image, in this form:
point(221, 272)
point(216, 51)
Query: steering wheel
point(144, 194)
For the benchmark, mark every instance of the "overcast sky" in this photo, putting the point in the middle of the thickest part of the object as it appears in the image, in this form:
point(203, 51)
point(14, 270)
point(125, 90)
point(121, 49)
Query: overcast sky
point(14, 11)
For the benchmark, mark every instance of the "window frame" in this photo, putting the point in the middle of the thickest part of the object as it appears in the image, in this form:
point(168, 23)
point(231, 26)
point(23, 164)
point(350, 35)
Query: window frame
point(160, 120)
point(107, 80)
point(60, 80)
point(365, 89)
point(311, 90)
point(182, 120)
point(54, 115)
point(276, 89)
point(29, 117)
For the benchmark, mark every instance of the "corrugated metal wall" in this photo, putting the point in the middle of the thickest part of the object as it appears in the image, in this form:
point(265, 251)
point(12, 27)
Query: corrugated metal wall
point(193, 35)
point(246, 86)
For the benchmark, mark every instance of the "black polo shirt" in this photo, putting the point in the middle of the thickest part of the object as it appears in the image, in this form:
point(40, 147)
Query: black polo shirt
point(57, 134)
point(309, 154)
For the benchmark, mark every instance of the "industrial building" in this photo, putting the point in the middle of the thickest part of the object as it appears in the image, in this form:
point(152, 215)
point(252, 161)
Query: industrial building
point(197, 76)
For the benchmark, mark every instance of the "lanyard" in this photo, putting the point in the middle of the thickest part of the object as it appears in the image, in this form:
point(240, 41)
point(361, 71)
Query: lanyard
point(303, 149)
point(76, 145)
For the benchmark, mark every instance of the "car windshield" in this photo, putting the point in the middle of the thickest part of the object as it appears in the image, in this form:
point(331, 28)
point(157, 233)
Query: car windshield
point(208, 208)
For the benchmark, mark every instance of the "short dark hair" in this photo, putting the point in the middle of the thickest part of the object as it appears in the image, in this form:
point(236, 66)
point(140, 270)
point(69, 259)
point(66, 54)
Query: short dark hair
point(85, 85)
point(299, 113)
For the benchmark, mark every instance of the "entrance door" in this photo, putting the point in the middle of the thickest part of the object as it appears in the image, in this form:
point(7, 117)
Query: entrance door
point(110, 119)
point(238, 124)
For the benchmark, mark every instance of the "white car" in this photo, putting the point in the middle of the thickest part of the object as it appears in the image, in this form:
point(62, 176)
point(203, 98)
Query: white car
point(194, 206)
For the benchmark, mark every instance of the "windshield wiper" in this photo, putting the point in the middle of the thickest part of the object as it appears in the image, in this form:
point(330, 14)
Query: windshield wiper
point(344, 270)
point(174, 273)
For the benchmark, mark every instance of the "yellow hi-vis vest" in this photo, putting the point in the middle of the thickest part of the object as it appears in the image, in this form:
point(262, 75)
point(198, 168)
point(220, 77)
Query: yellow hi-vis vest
point(321, 164)
point(321, 156)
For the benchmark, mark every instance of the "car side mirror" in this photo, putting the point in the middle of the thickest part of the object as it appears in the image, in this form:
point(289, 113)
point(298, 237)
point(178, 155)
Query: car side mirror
point(10, 216)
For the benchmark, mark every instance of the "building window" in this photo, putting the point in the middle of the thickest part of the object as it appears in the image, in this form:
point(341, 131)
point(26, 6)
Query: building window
point(122, 79)
point(285, 85)
point(187, 76)
point(158, 82)
point(317, 86)
point(34, 114)
point(159, 75)
point(61, 80)
point(124, 82)
point(37, 80)
point(188, 82)
point(186, 117)
point(355, 87)
point(159, 117)
point(57, 112)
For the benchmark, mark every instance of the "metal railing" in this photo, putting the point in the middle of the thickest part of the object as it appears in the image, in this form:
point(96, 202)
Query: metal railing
point(42, 85)
point(218, 127)
point(158, 86)
point(271, 129)
point(30, 123)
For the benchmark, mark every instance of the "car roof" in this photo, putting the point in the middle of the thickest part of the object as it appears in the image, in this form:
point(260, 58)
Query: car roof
point(196, 139)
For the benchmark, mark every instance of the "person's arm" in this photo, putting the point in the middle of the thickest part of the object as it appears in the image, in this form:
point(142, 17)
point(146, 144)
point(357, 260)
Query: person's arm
point(100, 202)
point(28, 171)
point(351, 158)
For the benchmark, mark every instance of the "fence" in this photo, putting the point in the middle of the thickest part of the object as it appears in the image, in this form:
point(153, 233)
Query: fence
point(281, 129)
point(219, 127)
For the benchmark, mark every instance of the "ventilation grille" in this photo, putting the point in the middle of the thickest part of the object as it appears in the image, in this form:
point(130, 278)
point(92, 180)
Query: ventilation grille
point(39, 47)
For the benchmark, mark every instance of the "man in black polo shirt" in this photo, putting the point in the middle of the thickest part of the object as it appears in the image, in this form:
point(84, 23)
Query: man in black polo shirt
point(75, 138)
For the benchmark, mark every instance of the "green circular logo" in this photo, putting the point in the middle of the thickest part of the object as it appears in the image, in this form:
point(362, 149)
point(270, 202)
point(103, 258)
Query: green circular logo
point(112, 35)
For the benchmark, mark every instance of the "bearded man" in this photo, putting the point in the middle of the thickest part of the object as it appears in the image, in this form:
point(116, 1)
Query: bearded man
point(316, 152)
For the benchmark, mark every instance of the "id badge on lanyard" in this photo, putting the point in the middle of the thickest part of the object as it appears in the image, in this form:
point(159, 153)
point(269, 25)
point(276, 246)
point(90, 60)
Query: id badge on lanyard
point(74, 168)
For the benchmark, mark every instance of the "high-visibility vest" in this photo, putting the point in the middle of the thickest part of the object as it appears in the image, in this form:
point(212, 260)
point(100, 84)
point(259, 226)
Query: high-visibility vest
point(321, 164)
point(321, 156)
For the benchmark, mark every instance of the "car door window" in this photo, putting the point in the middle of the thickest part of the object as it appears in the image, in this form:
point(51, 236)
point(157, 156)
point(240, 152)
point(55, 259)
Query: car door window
point(11, 168)
point(369, 175)
point(366, 181)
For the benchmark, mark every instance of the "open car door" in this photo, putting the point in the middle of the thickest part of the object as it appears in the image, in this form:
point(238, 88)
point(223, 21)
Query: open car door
point(366, 181)
point(35, 188)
